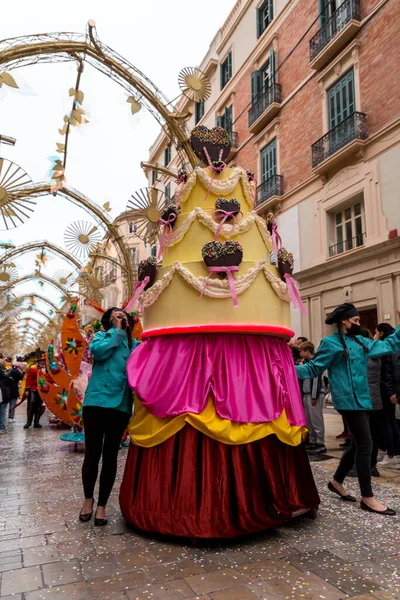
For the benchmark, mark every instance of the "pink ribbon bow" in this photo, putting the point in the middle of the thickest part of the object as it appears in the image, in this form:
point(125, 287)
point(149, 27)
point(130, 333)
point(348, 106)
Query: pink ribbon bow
point(228, 271)
point(167, 224)
point(214, 169)
point(294, 294)
point(139, 287)
point(223, 215)
point(276, 238)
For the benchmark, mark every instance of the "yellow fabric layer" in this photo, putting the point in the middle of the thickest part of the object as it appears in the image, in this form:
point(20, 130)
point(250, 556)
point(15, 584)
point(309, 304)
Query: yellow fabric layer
point(146, 430)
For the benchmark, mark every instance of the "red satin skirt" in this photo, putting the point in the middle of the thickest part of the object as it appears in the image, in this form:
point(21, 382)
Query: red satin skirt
point(193, 486)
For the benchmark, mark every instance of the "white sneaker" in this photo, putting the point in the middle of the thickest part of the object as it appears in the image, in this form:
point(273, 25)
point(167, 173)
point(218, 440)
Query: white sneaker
point(390, 462)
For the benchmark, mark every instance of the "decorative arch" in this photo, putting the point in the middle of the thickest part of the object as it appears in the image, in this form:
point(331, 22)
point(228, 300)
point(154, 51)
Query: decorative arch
point(38, 297)
point(31, 246)
point(43, 277)
point(102, 219)
point(27, 50)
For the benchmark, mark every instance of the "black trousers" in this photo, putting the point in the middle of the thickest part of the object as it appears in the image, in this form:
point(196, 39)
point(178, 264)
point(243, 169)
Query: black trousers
point(34, 411)
point(104, 428)
point(360, 451)
point(375, 425)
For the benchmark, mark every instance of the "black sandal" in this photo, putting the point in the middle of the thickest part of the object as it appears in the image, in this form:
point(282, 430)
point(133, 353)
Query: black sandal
point(347, 498)
point(100, 522)
point(84, 518)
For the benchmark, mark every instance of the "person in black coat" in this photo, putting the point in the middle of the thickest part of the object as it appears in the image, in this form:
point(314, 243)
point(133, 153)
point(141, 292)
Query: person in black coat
point(16, 374)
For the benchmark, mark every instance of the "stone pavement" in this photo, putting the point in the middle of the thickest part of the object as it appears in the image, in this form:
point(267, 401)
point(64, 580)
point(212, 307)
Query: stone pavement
point(45, 553)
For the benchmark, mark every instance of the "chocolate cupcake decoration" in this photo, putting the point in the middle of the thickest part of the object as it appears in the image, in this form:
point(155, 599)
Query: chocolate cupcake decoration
point(148, 268)
point(182, 176)
point(285, 263)
point(227, 254)
point(211, 145)
point(250, 176)
point(227, 208)
point(169, 216)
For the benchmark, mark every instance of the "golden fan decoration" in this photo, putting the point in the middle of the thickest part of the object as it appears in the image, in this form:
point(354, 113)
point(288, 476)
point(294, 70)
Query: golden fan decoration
point(80, 237)
point(194, 84)
point(14, 211)
point(62, 277)
point(145, 208)
point(8, 274)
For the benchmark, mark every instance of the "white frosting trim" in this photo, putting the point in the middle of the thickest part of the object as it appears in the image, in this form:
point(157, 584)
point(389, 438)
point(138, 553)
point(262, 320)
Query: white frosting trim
point(216, 288)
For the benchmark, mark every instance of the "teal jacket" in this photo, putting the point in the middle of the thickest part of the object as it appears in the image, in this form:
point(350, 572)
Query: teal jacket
point(348, 376)
point(108, 384)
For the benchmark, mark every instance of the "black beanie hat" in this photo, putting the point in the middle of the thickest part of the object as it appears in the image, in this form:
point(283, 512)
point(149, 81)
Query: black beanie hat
point(341, 313)
point(105, 319)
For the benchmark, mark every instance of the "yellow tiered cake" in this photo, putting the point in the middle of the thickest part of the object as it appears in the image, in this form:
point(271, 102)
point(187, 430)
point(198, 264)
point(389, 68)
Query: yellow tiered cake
point(172, 304)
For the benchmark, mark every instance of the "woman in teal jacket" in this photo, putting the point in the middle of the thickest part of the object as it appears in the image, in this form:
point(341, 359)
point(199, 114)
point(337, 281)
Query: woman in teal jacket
point(345, 355)
point(107, 408)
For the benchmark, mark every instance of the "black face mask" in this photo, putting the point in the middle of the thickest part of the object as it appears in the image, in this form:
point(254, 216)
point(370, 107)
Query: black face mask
point(354, 329)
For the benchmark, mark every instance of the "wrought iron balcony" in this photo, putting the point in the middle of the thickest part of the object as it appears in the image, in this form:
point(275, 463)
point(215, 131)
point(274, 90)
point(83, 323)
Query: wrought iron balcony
point(264, 108)
point(269, 188)
point(346, 245)
point(349, 130)
point(337, 30)
point(234, 139)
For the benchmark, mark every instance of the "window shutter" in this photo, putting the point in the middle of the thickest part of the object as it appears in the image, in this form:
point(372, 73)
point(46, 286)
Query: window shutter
point(229, 57)
point(272, 65)
point(270, 10)
point(255, 85)
point(220, 121)
point(259, 22)
point(221, 73)
point(228, 119)
point(323, 11)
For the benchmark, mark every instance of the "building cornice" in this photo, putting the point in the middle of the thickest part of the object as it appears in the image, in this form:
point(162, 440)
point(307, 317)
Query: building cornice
point(348, 259)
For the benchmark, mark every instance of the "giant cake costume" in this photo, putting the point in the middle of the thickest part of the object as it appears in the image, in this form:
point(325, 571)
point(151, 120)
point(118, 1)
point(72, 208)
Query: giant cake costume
point(216, 434)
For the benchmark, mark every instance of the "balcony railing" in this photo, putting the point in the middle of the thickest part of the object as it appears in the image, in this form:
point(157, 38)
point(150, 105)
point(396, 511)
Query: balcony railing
point(347, 11)
point(352, 128)
point(264, 99)
point(345, 246)
point(269, 188)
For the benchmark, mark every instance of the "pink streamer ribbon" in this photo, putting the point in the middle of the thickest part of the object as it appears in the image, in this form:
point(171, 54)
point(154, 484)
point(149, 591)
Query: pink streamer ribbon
point(294, 294)
point(167, 224)
point(139, 287)
point(228, 271)
point(223, 215)
point(214, 169)
point(276, 238)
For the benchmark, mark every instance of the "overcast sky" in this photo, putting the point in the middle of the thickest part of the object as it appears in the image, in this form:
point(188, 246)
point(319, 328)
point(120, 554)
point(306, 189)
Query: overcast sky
point(159, 38)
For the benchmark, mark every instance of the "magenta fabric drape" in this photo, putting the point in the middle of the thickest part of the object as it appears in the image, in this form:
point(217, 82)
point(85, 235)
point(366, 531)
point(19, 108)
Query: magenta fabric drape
point(251, 377)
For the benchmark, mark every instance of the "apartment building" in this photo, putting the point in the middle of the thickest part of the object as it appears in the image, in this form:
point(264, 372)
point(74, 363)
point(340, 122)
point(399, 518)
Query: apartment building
point(309, 90)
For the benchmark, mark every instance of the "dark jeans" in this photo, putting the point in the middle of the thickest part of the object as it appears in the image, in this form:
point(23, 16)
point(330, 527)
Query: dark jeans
point(104, 428)
point(392, 435)
point(34, 408)
point(360, 451)
point(375, 425)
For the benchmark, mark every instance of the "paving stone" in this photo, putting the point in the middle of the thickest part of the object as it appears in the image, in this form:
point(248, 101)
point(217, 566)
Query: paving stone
point(45, 528)
point(258, 571)
point(132, 559)
point(104, 566)
point(21, 580)
point(62, 572)
point(27, 542)
point(118, 583)
point(171, 590)
point(178, 570)
point(216, 581)
point(12, 597)
point(71, 591)
point(239, 593)
point(41, 555)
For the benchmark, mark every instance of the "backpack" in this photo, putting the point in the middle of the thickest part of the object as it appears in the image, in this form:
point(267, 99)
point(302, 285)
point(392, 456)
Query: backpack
point(6, 388)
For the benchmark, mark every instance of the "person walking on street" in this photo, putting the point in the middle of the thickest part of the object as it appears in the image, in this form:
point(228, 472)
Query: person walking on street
point(5, 396)
point(16, 374)
point(313, 392)
point(390, 386)
point(107, 408)
point(32, 394)
point(345, 354)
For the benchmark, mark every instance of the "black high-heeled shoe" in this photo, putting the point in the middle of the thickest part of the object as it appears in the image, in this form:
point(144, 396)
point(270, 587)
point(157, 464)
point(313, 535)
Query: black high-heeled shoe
point(347, 498)
point(387, 512)
point(100, 522)
point(85, 517)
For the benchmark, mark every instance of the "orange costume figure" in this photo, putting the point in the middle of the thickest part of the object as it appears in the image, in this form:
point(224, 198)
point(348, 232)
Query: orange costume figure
point(34, 410)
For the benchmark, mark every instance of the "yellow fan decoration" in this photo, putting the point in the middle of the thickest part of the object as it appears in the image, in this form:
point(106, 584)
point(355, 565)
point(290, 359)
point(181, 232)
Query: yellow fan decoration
point(81, 237)
point(14, 210)
point(8, 274)
point(194, 84)
point(145, 208)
